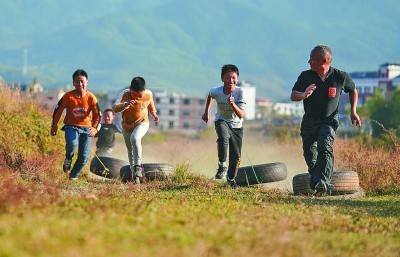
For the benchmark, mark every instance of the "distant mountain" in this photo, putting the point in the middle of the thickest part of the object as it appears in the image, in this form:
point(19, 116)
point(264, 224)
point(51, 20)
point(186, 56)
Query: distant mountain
point(181, 45)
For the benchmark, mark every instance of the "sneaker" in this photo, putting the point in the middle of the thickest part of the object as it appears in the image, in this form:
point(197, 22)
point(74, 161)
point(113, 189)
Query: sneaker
point(137, 180)
point(331, 189)
point(233, 184)
point(67, 165)
point(138, 173)
point(221, 172)
point(73, 178)
point(320, 189)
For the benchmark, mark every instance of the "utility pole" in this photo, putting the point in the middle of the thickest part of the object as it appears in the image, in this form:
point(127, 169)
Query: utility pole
point(25, 62)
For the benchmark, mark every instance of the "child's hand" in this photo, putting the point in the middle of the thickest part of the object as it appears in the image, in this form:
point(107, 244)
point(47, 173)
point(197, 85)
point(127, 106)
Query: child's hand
point(156, 119)
point(130, 103)
point(205, 117)
point(53, 130)
point(92, 131)
point(231, 100)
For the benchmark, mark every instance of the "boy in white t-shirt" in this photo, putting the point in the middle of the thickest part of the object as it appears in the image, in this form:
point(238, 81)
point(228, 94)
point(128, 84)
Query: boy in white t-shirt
point(228, 122)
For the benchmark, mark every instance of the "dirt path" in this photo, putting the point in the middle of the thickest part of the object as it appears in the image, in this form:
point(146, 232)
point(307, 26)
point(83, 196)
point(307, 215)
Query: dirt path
point(201, 155)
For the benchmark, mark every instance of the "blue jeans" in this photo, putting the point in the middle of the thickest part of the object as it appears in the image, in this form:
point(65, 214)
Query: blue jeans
point(77, 137)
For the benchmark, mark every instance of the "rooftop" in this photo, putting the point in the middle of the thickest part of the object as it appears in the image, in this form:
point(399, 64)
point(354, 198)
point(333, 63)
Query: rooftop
point(365, 75)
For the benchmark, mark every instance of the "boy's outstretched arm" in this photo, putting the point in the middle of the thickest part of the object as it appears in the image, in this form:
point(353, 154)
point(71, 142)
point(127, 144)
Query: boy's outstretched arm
point(353, 97)
point(56, 117)
point(153, 111)
point(207, 109)
point(120, 105)
point(96, 117)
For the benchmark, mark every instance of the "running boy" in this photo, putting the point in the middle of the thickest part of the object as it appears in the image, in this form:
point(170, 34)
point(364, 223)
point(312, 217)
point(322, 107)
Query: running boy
point(106, 135)
point(228, 122)
point(80, 122)
point(135, 105)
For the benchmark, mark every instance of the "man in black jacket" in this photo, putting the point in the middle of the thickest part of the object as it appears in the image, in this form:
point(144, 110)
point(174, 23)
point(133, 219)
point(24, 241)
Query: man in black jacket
point(320, 88)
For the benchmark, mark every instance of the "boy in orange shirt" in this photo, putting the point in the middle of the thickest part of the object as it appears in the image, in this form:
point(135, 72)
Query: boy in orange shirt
point(80, 122)
point(135, 105)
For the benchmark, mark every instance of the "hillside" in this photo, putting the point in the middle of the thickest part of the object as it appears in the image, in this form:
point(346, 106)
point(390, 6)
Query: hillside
point(181, 45)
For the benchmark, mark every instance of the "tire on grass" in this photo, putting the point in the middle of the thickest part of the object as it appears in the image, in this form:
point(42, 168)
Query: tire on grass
point(262, 173)
point(113, 166)
point(126, 174)
point(157, 171)
point(152, 171)
point(344, 182)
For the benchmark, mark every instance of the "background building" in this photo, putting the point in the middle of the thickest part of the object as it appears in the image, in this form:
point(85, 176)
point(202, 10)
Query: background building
point(249, 95)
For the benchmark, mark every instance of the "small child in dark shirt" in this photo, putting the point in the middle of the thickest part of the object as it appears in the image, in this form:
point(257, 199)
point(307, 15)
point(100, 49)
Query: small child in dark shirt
point(106, 135)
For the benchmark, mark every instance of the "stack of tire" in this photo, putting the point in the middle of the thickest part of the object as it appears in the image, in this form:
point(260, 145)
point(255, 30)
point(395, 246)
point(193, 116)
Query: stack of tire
point(262, 173)
point(113, 168)
point(345, 182)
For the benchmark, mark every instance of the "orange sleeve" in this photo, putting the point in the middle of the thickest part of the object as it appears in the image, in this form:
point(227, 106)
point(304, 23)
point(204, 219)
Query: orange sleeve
point(119, 106)
point(58, 111)
point(96, 115)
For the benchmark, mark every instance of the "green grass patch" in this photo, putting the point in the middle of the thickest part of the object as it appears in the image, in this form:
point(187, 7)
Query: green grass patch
point(191, 216)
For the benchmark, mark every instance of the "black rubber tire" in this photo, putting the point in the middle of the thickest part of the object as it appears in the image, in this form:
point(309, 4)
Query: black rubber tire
point(157, 171)
point(152, 171)
point(113, 165)
point(344, 182)
point(301, 184)
point(262, 173)
point(126, 174)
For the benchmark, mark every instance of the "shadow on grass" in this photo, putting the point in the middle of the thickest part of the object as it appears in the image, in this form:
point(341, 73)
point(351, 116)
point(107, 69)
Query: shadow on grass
point(377, 206)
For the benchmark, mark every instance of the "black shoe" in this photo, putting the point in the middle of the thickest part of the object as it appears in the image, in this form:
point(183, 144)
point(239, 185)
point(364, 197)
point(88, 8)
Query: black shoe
point(320, 189)
point(331, 189)
point(233, 184)
point(221, 172)
point(67, 165)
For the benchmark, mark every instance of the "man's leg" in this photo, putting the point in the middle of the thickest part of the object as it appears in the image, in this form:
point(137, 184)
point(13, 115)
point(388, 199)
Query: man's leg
point(235, 149)
point(71, 144)
point(136, 142)
point(85, 143)
point(325, 158)
point(309, 138)
point(222, 130)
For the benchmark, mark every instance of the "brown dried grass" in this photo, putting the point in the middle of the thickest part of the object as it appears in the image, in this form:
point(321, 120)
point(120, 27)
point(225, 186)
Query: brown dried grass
point(28, 156)
point(377, 166)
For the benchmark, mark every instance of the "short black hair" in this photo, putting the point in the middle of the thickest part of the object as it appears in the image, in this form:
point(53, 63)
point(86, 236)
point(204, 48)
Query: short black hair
point(79, 72)
point(229, 68)
point(138, 84)
point(322, 50)
point(108, 110)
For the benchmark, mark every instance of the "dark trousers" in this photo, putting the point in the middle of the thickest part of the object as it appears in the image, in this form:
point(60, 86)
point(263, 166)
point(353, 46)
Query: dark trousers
point(318, 137)
point(231, 138)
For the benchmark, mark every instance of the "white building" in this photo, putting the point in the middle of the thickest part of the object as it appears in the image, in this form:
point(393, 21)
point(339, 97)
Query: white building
point(167, 108)
point(249, 95)
point(294, 109)
point(387, 77)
